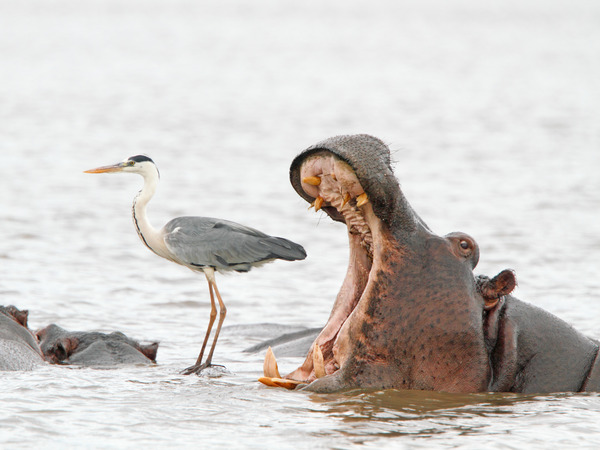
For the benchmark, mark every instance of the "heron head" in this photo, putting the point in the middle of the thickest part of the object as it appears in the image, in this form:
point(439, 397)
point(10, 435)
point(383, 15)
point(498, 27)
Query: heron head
point(139, 164)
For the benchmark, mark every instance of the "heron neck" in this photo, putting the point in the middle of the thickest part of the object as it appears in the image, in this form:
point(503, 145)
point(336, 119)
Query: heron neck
point(147, 233)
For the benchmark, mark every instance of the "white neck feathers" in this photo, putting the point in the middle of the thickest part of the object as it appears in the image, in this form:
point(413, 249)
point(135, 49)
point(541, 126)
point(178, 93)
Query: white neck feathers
point(149, 235)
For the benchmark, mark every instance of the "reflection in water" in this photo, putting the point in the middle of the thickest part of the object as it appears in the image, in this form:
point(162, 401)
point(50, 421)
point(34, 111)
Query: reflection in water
point(410, 404)
point(422, 414)
point(394, 405)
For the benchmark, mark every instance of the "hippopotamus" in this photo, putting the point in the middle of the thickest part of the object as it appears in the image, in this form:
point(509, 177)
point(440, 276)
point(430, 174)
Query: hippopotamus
point(19, 349)
point(94, 349)
point(411, 313)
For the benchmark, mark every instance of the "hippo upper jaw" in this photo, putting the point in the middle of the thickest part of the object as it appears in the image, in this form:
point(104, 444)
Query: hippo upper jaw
point(366, 160)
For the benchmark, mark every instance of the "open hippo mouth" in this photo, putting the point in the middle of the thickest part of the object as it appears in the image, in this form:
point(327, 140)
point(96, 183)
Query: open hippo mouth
point(328, 176)
point(410, 313)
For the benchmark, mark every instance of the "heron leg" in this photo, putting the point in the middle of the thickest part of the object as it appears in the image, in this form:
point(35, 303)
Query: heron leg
point(211, 320)
point(222, 314)
point(212, 285)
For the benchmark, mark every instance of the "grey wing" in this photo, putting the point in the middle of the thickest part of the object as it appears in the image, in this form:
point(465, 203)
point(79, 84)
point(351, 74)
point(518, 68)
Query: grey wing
point(225, 245)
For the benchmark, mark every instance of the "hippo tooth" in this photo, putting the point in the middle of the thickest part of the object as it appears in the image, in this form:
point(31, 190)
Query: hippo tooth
point(333, 176)
point(311, 205)
point(318, 203)
point(362, 199)
point(313, 181)
point(287, 383)
point(280, 382)
point(491, 303)
point(267, 381)
point(318, 363)
point(270, 368)
point(347, 198)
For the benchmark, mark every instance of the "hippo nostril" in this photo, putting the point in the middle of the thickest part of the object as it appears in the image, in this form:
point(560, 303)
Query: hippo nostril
point(60, 352)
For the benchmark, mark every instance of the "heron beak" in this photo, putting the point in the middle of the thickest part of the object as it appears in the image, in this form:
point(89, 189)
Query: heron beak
point(106, 169)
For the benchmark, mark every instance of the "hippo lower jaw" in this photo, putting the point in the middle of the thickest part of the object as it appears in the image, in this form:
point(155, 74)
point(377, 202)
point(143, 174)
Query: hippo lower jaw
point(335, 188)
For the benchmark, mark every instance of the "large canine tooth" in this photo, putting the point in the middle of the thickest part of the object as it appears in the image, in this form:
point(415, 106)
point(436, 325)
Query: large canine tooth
point(347, 198)
point(362, 199)
point(313, 181)
point(318, 203)
point(268, 381)
point(270, 368)
point(287, 383)
point(280, 382)
point(318, 363)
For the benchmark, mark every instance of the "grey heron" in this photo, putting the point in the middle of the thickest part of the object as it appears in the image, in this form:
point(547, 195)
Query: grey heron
point(202, 244)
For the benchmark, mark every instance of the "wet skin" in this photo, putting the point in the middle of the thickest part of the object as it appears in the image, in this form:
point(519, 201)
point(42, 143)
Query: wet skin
point(60, 346)
point(411, 314)
point(19, 349)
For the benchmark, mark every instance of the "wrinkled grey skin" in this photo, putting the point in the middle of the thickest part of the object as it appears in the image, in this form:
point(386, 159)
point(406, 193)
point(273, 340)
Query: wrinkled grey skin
point(94, 349)
point(423, 320)
point(19, 349)
point(533, 351)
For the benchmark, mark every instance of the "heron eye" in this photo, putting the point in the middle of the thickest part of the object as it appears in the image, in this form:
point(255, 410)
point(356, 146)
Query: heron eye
point(464, 245)
point(131, 163)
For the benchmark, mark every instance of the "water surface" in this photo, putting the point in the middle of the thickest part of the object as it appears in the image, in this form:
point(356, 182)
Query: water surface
point(491, 111)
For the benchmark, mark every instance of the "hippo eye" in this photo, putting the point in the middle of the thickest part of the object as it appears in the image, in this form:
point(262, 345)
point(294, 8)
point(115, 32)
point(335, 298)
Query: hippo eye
point(465, 247)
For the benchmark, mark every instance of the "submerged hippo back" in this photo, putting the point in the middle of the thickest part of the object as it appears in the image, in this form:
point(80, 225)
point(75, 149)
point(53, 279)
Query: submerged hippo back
point(18, 348)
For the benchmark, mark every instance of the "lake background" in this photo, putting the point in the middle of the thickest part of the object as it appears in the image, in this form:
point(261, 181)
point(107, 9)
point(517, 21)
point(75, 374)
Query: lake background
point(492, 112)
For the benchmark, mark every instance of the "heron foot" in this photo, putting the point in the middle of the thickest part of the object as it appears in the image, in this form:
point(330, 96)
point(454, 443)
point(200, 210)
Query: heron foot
point(198, 368)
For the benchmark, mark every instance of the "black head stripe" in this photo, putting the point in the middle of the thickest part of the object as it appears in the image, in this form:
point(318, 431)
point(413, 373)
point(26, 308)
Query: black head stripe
point(139, 158)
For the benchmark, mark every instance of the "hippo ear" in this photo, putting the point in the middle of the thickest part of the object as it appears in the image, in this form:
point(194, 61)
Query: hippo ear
point(505, 282)
point(21, 316)
point(150, 351)
point(499, 286)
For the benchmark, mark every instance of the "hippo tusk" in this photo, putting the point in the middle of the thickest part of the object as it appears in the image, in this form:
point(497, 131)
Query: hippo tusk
point(268, 381)
point(270, 368)
point(362, 199)
point(318, 363)
point(286, 383)
point(318, 203)
point(313, 181)
point(347, 198)
point(272, 377)
point(280, 382)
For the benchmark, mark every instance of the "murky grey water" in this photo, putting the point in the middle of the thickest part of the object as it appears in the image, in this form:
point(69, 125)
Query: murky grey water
point(491, 108)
